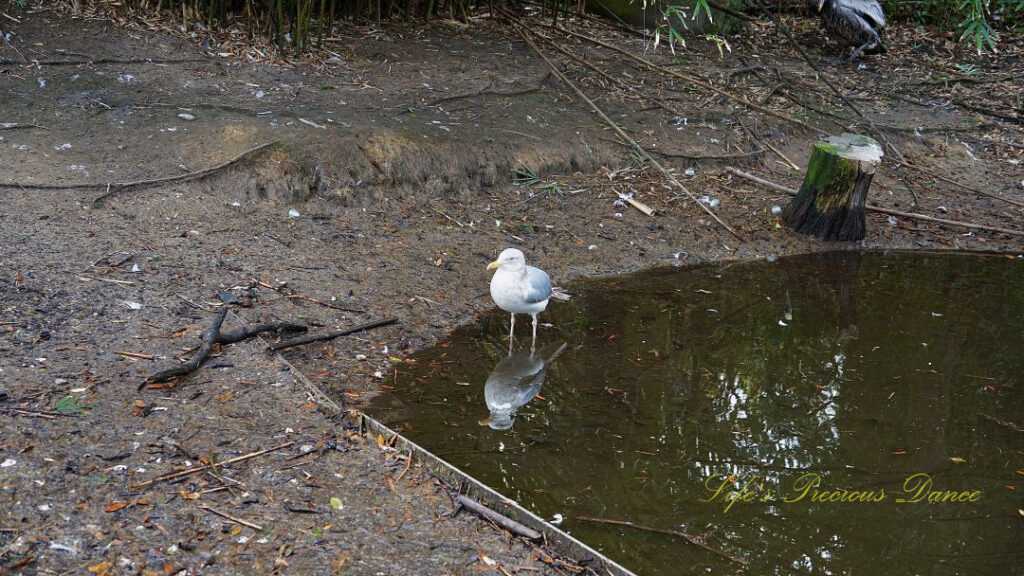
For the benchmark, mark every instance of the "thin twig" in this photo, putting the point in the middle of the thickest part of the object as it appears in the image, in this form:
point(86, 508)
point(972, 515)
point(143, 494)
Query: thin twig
point(688, 537)
point(136, 355)
point(13, 47)
point(910, 215)
point(765, 142)
point(202, 467)
point(408, 465)
point(17, 126)
point(780, 154)
point(331, 335)
point(227, 516)
point(314, 301)
point(460, 224)
point(33, 413)
point(622, 134)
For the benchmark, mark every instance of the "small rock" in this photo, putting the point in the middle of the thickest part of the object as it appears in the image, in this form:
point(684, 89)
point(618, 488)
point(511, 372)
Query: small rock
point(186, 116)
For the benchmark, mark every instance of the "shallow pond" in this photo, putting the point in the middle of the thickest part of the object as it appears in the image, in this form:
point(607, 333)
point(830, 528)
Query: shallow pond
point(796, 416)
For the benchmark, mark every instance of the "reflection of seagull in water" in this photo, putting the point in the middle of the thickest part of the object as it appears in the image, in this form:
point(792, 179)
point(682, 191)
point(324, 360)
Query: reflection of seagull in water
point(514, 382)
point(521, 289)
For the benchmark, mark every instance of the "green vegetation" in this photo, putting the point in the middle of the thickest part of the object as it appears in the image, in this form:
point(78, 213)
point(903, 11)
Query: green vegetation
point(977, 21)
point(296, 25)
point(524, 176)
point(72, 406)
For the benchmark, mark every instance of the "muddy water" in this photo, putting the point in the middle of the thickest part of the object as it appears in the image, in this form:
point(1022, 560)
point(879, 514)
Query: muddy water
point(796, 416)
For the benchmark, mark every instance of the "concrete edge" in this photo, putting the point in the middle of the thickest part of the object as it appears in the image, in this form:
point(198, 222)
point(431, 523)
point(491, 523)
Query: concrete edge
point(559, 541)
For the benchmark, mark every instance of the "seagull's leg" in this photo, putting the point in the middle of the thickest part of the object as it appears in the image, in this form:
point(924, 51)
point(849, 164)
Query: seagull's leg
point(533, 343)
point(858, 51)
point(512, 327)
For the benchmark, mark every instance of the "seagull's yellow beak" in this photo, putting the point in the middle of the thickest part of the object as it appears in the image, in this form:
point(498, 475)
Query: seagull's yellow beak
point(493, 265)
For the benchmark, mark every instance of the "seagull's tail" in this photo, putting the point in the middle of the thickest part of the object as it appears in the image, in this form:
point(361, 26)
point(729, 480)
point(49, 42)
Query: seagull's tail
point(559, 293)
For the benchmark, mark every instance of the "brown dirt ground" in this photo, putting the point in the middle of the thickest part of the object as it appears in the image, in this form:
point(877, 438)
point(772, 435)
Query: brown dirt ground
point(397, 157)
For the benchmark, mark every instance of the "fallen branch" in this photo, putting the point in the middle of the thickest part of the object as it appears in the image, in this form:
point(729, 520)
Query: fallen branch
point(486, 91)
point(909, 215)
point(989, 112)
point(692, 80)
point(108, 61)
point(688, 537)
point(202, 467)
point(498, 518)
point(331, 335)
point(115, 187)
point(964, 186)
point(622, 134)
point(212, 336)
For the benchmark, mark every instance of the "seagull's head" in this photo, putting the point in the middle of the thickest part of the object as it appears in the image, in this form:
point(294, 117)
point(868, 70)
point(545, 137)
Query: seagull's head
point(509, 259)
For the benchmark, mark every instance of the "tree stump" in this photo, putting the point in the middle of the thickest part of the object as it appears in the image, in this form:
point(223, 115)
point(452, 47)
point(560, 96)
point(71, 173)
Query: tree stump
point(830, 203)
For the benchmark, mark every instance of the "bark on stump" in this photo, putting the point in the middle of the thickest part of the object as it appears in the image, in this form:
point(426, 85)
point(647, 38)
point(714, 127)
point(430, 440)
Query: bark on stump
point(830, 204)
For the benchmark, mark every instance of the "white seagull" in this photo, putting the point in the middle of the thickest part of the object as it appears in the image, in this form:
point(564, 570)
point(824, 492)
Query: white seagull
point(520, 289)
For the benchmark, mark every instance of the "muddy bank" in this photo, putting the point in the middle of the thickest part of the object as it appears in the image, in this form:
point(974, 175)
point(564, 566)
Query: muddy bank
point(398, 165)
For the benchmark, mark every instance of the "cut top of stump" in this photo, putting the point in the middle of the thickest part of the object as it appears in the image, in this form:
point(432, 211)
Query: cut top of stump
point(855, 147)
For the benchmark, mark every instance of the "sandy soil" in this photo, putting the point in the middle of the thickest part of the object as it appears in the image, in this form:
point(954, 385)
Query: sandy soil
point(396, 161)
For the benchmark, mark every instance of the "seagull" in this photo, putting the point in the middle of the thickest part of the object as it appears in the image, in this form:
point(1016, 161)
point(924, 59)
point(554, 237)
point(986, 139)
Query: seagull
point(520, 289)
point(855, 21)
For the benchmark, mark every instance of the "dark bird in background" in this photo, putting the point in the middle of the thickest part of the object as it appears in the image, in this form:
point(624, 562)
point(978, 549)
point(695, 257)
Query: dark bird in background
point(855, 22)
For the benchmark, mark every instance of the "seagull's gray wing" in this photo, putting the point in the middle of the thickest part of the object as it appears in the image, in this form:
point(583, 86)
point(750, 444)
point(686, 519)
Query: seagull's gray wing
point(869, 10)
point(538, 285)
